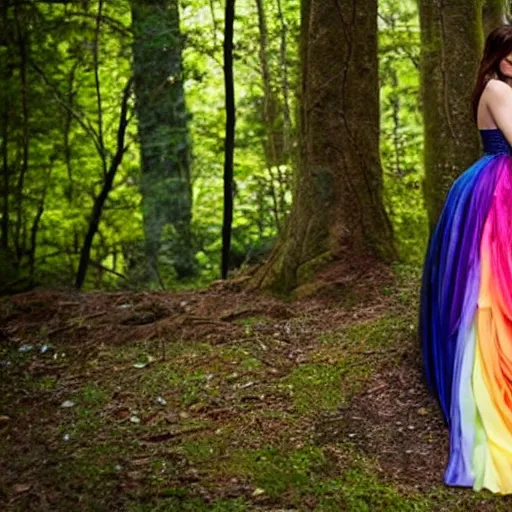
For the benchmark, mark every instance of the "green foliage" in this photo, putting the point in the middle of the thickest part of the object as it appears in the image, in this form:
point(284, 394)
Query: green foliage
point(65, 127)
point(401, 125)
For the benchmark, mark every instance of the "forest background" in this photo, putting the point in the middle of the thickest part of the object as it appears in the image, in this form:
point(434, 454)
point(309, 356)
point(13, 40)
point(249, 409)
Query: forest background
point(80, 206)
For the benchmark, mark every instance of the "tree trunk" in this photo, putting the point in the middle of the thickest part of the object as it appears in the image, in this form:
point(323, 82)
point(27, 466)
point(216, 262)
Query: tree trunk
point(6, 73)
point(23, 43)
point(337, 212)
point(229, 144)
point(493, 13)
point(451, 45)
point(99, 201)
point(163, 133)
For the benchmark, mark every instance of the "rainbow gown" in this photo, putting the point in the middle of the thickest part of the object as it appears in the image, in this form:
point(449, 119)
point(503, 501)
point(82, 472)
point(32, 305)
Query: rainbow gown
point(465, 320)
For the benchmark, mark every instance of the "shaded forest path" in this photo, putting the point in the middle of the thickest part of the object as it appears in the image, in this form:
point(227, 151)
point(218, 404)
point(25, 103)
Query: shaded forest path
point(221, 400)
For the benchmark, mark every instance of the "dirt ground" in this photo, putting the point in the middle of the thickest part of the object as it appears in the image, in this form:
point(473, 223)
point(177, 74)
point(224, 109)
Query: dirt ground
point(222, 400)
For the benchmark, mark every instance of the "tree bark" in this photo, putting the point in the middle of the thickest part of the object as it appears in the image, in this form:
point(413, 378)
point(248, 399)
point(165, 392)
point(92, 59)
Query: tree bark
point(163, 133)
point(229, 144)
point(493, 13)
point(337, 212)
point(451, 46)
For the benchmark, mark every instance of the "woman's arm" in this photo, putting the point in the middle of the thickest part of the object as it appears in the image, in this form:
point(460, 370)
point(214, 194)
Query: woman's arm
point(499, 103)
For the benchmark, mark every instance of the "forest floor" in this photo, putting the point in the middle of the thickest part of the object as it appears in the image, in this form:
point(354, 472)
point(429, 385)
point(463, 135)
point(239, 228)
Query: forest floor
point(221, 400)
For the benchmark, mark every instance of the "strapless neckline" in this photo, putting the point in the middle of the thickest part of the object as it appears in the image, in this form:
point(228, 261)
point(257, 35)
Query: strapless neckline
point(494, 142)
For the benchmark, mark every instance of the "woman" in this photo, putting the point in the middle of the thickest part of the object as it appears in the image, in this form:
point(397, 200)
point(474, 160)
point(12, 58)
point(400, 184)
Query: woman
point(466, 296)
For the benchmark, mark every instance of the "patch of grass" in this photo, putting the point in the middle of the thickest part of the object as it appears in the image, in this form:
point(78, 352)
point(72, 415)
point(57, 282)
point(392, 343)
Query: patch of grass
point(173, 349)
point(93, 396)
point(86, 415)
point(205, 448)
point(385, 332)
point(45, 383)
point(363, 492)
point(241, 357)
point(304, 478)
point(276, 472)
point(168, 378)
point(315, 387)
point(91, 471)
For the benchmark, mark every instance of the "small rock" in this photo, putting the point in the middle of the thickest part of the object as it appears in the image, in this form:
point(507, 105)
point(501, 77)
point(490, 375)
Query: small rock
point(184, 415)
point(411, 427)
point(25, 348)
point(258, 492)
point(20, 488)
point(135, 420)
point(422, 411)
point(161, 400)
point(67, 404)
point(352, 435)
point(140, 365)
point(66, 437)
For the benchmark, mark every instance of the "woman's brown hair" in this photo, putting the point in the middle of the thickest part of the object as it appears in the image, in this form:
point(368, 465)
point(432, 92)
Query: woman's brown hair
point(497, 46)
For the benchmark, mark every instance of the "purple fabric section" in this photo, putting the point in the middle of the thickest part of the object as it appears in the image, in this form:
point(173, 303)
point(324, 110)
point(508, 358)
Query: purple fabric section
point(453, 245)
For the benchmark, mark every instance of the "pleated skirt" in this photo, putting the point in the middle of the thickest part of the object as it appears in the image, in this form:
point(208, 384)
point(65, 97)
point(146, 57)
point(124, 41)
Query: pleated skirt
point(465, 324)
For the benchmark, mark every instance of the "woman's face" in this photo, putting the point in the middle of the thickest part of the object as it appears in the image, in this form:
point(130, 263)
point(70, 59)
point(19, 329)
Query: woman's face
point(506, 66)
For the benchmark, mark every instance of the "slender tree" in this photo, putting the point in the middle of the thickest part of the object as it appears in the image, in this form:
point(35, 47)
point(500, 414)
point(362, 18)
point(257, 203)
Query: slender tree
point(6, 73)
point(338, 212)
point(451, 45)
point(163, 133)
point(229, 144)
point(111, 168)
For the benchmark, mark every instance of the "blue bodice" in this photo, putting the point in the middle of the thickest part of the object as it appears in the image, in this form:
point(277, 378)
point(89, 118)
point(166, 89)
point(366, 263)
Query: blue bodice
point(494, 142)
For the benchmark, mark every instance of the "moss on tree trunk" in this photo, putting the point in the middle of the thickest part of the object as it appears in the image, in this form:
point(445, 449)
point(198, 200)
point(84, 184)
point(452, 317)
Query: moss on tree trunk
point(338, 211)
point(451, 45)
point(493, 14)
point(164, 138)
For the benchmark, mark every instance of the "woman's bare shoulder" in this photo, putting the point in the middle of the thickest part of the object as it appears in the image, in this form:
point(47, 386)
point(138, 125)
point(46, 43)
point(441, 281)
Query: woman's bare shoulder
point(497, 89)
